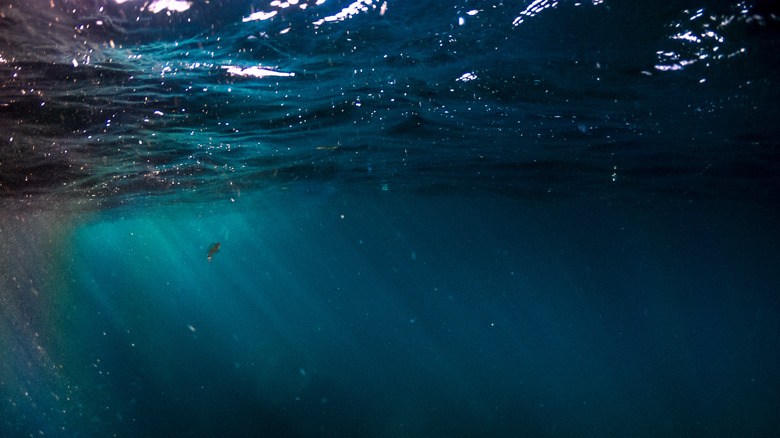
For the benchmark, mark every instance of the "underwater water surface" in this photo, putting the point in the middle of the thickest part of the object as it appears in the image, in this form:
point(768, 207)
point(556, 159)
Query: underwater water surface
point(389, 218)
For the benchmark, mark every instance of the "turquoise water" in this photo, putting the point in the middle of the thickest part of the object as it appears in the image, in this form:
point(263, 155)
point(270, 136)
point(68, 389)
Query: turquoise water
point(553, 219)
point(395, 315)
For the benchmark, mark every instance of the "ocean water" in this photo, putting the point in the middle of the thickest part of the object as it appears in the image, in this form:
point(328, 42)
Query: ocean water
point(389, 218)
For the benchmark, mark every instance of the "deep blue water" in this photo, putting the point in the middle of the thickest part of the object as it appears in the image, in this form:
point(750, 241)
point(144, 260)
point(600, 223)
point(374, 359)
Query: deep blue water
point(455, 218)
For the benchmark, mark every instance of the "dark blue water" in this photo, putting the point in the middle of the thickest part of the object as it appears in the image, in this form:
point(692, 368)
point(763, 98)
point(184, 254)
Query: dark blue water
point(459, 218)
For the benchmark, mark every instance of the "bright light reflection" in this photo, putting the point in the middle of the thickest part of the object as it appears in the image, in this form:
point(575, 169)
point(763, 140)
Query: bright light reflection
point(701, 43)
point(259, 16)
point(171, 5)
point(686, 36)
point(353, 9)
point(538, 6)
point(533, 9)
point(257, 72)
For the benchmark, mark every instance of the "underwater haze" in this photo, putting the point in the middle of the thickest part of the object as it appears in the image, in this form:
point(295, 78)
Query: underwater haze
point(395, 218)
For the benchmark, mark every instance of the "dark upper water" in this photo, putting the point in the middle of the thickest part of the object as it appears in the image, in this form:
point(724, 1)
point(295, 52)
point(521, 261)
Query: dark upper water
point(452, 218)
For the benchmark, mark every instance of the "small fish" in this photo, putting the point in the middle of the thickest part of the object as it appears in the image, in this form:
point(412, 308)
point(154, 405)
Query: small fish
point(213, 249)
